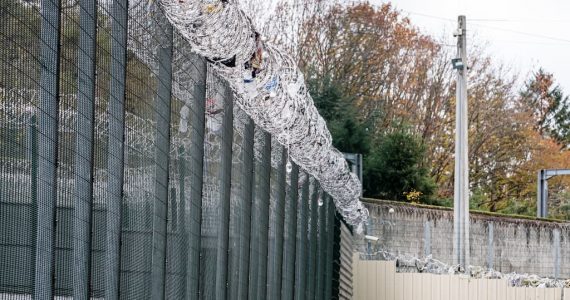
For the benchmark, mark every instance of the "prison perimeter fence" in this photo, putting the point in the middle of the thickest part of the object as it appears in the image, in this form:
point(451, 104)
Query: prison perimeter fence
point(126, 171)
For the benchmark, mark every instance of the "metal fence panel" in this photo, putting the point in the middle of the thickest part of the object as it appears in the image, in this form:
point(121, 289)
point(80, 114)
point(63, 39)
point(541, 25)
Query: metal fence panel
point(312, 255)
point(193, 205)
point(84, 149)
point(225, 194)
point(126, 172)
point(260, 213)
point(321, 249)
point(290, 235)
point(116, 148)
point(301, 252)
point(47, 151)
point(163, 111)
point(242, 164)
point(215, 197)
point(276, 227)
point(329, 252)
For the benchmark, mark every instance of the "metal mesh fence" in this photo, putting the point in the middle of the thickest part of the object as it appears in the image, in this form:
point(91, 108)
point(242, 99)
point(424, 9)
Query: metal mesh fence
point(127, 172)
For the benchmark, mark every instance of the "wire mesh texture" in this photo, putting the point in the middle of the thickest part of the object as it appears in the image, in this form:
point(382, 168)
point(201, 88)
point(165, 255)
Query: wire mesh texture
point(127, 172)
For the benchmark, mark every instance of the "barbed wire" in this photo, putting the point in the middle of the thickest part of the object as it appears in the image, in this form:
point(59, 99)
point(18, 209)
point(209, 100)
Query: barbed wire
point(430, 265)
point(276, 99)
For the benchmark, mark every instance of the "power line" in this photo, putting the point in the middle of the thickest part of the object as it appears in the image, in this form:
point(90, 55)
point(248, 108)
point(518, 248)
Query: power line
point(493, 27)
point(524, 33)
point(429, 16)
point(532, 43)
point(520, 20)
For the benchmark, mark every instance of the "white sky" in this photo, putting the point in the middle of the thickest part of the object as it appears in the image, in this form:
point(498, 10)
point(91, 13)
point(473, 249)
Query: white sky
point(524, 34)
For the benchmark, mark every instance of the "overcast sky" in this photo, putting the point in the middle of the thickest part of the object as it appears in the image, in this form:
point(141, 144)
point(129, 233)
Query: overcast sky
point(524, 34)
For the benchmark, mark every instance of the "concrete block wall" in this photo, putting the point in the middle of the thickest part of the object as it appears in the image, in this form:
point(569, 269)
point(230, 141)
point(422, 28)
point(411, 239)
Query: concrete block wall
point(504, 243)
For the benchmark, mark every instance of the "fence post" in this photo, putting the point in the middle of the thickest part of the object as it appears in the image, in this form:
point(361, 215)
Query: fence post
point(264, 202)
point(288, 281)
point(301, 259)
point(331, 220)
point(225, 177)
point(276, 258)
point(427, 238)
point(241, 286)
point(313, 242)
point(490, 245)
point(83, 204)
point(47, 146)
point(32, 157)
point(115, 164)
point(321, 249)
point(260, 211)
point(163, 112)
point(194, 208)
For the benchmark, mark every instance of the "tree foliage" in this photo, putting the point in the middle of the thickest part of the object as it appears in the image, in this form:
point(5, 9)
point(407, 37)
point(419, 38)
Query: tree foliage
point(369, 66)
point(549, 108)
point(394, 168)
point(348, 132)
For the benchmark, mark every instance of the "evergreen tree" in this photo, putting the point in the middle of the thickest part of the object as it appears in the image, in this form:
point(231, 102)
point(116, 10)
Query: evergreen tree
point(394, 169)
point(349, 134)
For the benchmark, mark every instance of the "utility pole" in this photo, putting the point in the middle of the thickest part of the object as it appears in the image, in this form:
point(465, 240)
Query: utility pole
point(461, 180)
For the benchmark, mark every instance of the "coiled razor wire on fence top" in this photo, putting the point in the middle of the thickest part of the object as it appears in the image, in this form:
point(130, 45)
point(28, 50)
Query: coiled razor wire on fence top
point(277, 100)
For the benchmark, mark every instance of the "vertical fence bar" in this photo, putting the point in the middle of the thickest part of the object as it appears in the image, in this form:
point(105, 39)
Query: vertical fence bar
point(288, 279)
point(321, 249)
point(276, 258)
point(194, 208)
point(225, 177)
point(32, 156)
point(260, 211)
point(336, 257)
point(83, 204)
point(312, 265)
point(301, 253)
point(241, 286)
point(163, 112)
point(329, 248)
point(116, 150)
point(254, 231)
point(48, 140)
point(264, 198)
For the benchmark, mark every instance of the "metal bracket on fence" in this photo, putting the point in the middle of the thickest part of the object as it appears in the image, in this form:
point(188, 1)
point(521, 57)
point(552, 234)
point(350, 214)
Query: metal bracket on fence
point(542, 190)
